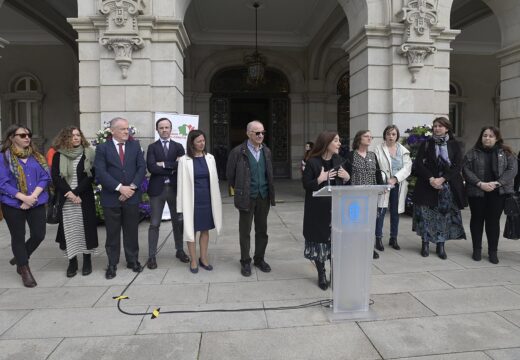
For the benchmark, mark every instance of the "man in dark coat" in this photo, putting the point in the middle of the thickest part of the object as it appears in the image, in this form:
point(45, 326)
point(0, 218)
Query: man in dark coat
point(250, 173)
point(161, 160)
point(120, 169)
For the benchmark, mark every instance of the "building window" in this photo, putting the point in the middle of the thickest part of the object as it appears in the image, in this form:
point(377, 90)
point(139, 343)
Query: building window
point(456, 102)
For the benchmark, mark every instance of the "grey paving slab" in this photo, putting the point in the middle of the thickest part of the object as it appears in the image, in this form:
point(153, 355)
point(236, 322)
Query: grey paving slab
point(341, 341)
point(124, 276)
point(12, 280)
point(458, 356)
point(27, 349)
point(512, 316)
point(158, 294)
point(515, 288)
point(395, 283)
point(9, 317)
point(167, 346)
point(76, 322)
point(36, 264)
point(401, 262)
point(290, 269)
point(309, 316)
point(446, 334)
point(469, 300)
point(265, 290)
point(398, 306)
point(480, 277)
point(204, 322)
point(41, 298)
point(504, 354)
point(2, 291)
point(505, 258)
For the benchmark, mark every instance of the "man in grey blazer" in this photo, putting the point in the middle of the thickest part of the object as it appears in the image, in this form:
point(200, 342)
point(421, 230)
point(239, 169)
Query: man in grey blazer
point(120, 169)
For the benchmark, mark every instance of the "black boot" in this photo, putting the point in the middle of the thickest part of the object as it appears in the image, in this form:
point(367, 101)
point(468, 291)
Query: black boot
point(425, 249)
point(322, 276)
point(379, 244)
point(72, 270)
point(477, 254)
point(375, 255)
point(493, 258)
point(393, 243)
point(87, 265)
point(440, 251)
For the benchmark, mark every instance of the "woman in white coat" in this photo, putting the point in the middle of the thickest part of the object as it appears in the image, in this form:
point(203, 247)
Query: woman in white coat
point(198, 197)
point(394, 159)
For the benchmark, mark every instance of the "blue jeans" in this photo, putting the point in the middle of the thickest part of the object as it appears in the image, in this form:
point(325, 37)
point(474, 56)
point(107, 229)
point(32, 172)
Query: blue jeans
point(393, 205)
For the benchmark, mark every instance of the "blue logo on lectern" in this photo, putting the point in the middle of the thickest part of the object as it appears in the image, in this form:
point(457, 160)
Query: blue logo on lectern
point(354, 210)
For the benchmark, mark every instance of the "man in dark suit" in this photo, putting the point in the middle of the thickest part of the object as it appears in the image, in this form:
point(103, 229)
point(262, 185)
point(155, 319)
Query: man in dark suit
point(161, 160)
point(120, 169)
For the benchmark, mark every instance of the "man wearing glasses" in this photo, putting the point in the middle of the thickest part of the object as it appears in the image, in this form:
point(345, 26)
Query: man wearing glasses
point(250, 174)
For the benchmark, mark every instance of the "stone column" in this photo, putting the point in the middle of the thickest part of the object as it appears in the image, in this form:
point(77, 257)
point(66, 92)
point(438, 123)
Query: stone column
point(131, 62)
point(400, 70)
point(299, 134)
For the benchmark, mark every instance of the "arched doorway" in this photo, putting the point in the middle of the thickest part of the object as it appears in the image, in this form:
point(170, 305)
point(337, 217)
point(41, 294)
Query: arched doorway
point(234, 103)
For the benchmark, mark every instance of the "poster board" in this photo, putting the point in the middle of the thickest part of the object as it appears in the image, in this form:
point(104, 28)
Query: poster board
point(182, 124)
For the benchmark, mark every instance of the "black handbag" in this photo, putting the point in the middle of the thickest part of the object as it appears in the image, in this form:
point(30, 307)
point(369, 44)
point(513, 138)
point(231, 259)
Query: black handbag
point(512, 227)
point(53, 209)
point(512, 205)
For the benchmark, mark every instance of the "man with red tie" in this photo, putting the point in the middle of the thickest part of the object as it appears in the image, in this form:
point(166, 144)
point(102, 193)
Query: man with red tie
point(120, 169)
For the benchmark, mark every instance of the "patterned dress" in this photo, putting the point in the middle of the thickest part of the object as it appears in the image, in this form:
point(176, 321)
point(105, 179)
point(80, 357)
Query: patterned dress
point(363, 169)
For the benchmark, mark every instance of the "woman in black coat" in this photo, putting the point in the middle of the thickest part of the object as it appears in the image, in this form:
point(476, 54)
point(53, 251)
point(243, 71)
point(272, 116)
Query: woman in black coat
point(73, 174)
point(323, 167)
point(439, 192)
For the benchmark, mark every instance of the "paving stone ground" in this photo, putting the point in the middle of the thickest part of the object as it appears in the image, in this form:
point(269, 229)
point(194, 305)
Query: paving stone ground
point(427, 308)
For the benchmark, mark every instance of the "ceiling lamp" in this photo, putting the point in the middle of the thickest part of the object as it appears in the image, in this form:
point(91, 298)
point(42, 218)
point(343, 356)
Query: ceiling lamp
point(255, 62)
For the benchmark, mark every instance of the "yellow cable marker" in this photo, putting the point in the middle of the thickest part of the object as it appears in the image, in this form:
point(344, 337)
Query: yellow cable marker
point(121, 297)
point(155, 313)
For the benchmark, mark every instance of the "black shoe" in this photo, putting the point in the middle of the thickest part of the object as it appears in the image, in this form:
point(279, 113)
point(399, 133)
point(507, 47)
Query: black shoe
point(13, 261)
point(205, 267)
point(393, 243)
point(440, 251)
point(87, 265)
point(375, 255)
point(72, 269)
point(245, 268)
point(493, 258)
point(477, 254)
point(379, 244)
point(322, 275)
point(263, 266)
point(111, 272)
point(136, 267)
point(181, 255)
point(425, 249)
point(151, 263)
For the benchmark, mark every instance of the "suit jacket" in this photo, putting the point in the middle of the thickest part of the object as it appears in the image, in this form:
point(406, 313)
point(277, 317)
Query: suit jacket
point(110, 172)
point(186, 195)
point(159, 174)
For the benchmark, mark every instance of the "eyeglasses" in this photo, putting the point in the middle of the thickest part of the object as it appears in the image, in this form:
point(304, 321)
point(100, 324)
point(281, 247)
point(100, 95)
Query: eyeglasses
point(258, 133)
point(24, 135)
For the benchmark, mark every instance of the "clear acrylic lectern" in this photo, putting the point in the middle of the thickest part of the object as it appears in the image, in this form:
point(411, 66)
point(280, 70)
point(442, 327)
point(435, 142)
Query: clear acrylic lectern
point(354, 212)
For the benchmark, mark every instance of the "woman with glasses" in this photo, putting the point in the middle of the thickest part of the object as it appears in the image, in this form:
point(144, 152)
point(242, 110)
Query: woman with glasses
point(198, 198)
point(394, 160)
point(323, 167)
point(489, 170)
point(24, 177)
point(73, 175)
point(439, 192)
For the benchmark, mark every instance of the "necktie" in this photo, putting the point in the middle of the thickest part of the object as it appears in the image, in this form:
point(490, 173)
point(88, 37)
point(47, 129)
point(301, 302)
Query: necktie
point(165, 147)
point(121, 153)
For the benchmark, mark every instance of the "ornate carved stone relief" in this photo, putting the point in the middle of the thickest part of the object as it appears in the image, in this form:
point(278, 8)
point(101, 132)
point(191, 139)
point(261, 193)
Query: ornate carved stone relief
point(122, 32)
point(419, 16)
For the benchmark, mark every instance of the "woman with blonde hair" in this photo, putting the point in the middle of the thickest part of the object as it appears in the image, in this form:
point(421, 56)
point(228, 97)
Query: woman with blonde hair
point(73, 176)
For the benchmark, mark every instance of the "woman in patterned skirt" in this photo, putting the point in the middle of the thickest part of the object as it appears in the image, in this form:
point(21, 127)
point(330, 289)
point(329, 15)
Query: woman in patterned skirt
point(362, 164)
point(439, 192)
point(73, 175)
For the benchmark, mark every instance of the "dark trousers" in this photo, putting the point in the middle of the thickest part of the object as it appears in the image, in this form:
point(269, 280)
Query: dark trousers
point(126, 218)
point(16, 219)
point(258, 210)
point(393, 207)
point(168, 195)
point(486, 210)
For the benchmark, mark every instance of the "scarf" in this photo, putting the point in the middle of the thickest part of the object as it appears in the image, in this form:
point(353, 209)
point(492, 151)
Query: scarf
point(494, 159)
point(13, 157)
point(66, 162)
point(441, 147)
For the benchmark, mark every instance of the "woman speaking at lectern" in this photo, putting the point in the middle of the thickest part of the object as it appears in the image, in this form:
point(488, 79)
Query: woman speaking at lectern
point(323, 167)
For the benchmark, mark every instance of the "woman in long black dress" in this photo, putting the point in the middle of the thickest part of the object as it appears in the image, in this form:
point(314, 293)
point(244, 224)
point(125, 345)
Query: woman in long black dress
point(198, 197)
point(323, 167)
point(439, 192)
